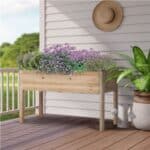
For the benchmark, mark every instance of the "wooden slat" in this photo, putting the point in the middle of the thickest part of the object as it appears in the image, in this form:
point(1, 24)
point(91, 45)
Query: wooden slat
point(83, 78)
point(32, 129)
point(77, 83)
point(68, 133)
point(110, 47)
point(18, 88)
point(33, 98)
point(46, 138)
point(28, 98)
point(22, 105)
point(93, 31)
point(52, 128)
point(66, 139)
point(71, 126)
point(11, 126)
point(13, 91)
point(144, 145)
point(77, 105)
point(8, 70)
point(1, 92)
point(41, 104)
point(101, 144)
point(63, 88)
point(110, 39)
point(130, 141)
point(77, 144)
point(124, 3)
point(7, 91)
point(76, 112)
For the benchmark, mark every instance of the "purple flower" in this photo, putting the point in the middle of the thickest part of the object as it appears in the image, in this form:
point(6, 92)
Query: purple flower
point(65, 58)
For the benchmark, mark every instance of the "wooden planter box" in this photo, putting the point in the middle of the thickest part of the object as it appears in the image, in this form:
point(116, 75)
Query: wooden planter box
point(88, 82)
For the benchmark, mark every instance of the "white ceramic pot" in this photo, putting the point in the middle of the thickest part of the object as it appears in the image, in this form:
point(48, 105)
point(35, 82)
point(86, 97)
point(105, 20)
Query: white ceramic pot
point(141, 111)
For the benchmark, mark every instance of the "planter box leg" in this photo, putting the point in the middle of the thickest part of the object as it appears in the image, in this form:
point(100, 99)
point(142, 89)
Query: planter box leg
point(21, 105)
point(102, 101)
point(115, 106)
point(102, 113)
point(40, 104)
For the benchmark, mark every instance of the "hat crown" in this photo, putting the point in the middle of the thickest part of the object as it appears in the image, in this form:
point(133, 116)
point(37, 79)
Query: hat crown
point(106, 15)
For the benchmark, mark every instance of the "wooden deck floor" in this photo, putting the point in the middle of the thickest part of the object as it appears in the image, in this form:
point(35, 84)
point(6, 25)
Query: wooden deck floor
point(69, 133)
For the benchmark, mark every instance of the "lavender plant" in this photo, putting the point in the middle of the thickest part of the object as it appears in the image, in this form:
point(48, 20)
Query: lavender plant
point(64, 58)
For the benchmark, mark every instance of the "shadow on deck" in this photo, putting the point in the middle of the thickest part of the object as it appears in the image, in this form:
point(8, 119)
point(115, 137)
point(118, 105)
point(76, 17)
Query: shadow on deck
point(69, 133)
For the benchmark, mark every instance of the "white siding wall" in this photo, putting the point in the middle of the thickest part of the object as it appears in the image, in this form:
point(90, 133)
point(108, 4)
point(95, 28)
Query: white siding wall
point(69, 21)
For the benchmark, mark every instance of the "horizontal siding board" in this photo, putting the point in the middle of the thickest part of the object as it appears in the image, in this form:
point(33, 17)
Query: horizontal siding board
point(70, 22)
point(87, 97)
point(88, 8)
point(93, 31)
point(77, 105)
point(71, 8)
point(102, 39)
point(134, 3)
point(124, 3)
point(111, 47)
point(79, 22)
point(76, 112)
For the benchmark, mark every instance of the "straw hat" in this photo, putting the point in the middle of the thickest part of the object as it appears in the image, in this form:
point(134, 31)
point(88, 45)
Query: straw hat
point(108, 15)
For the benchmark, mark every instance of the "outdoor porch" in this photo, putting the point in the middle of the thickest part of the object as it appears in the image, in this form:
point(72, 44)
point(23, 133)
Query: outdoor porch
point(63, 132)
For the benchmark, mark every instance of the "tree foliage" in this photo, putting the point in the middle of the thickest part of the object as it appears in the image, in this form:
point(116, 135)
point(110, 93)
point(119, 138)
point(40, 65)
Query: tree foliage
point(9, 53)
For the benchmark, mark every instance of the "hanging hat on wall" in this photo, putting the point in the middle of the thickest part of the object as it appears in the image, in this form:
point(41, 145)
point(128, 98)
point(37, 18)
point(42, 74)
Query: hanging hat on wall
point(108, 15)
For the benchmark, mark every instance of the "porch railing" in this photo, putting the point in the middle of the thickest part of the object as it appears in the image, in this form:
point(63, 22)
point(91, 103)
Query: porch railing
point(9, 92)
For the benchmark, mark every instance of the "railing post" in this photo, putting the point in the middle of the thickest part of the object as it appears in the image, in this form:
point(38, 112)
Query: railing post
point(13, 90)
point(1, 93)
point(7, 91)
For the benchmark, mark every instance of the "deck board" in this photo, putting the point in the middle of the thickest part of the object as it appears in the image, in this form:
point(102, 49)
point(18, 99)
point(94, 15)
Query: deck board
point(69, 133)
point(108, 141)
point(130, 141)
point(144, 145)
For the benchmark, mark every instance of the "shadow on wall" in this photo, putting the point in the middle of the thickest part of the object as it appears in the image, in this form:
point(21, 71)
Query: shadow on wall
point(72, 21)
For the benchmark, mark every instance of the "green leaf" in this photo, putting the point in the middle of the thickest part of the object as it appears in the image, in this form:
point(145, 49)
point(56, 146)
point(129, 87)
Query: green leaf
point(143, 83)
point(140, 59)
point(139, 56)
point(124, 74)
point(128, 58)
point(148, 57)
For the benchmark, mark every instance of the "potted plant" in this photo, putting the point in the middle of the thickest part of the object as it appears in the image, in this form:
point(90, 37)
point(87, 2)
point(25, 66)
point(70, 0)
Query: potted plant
point(139, 75)
point(69, 66)
point(63, 68)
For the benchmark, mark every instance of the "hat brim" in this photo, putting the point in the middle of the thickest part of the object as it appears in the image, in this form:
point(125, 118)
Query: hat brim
point(116, 22)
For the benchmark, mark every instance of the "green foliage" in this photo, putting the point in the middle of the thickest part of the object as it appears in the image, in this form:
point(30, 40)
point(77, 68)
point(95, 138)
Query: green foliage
point(47, 63)
point(27, 43)
point(3, 48)
point(29, 60)
point(139, 73)
point(143, 83)
point(125, 73)
point(148, 57)
point(140, 60)
point(34, 61)
point(103, 64)
point(9, 52)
